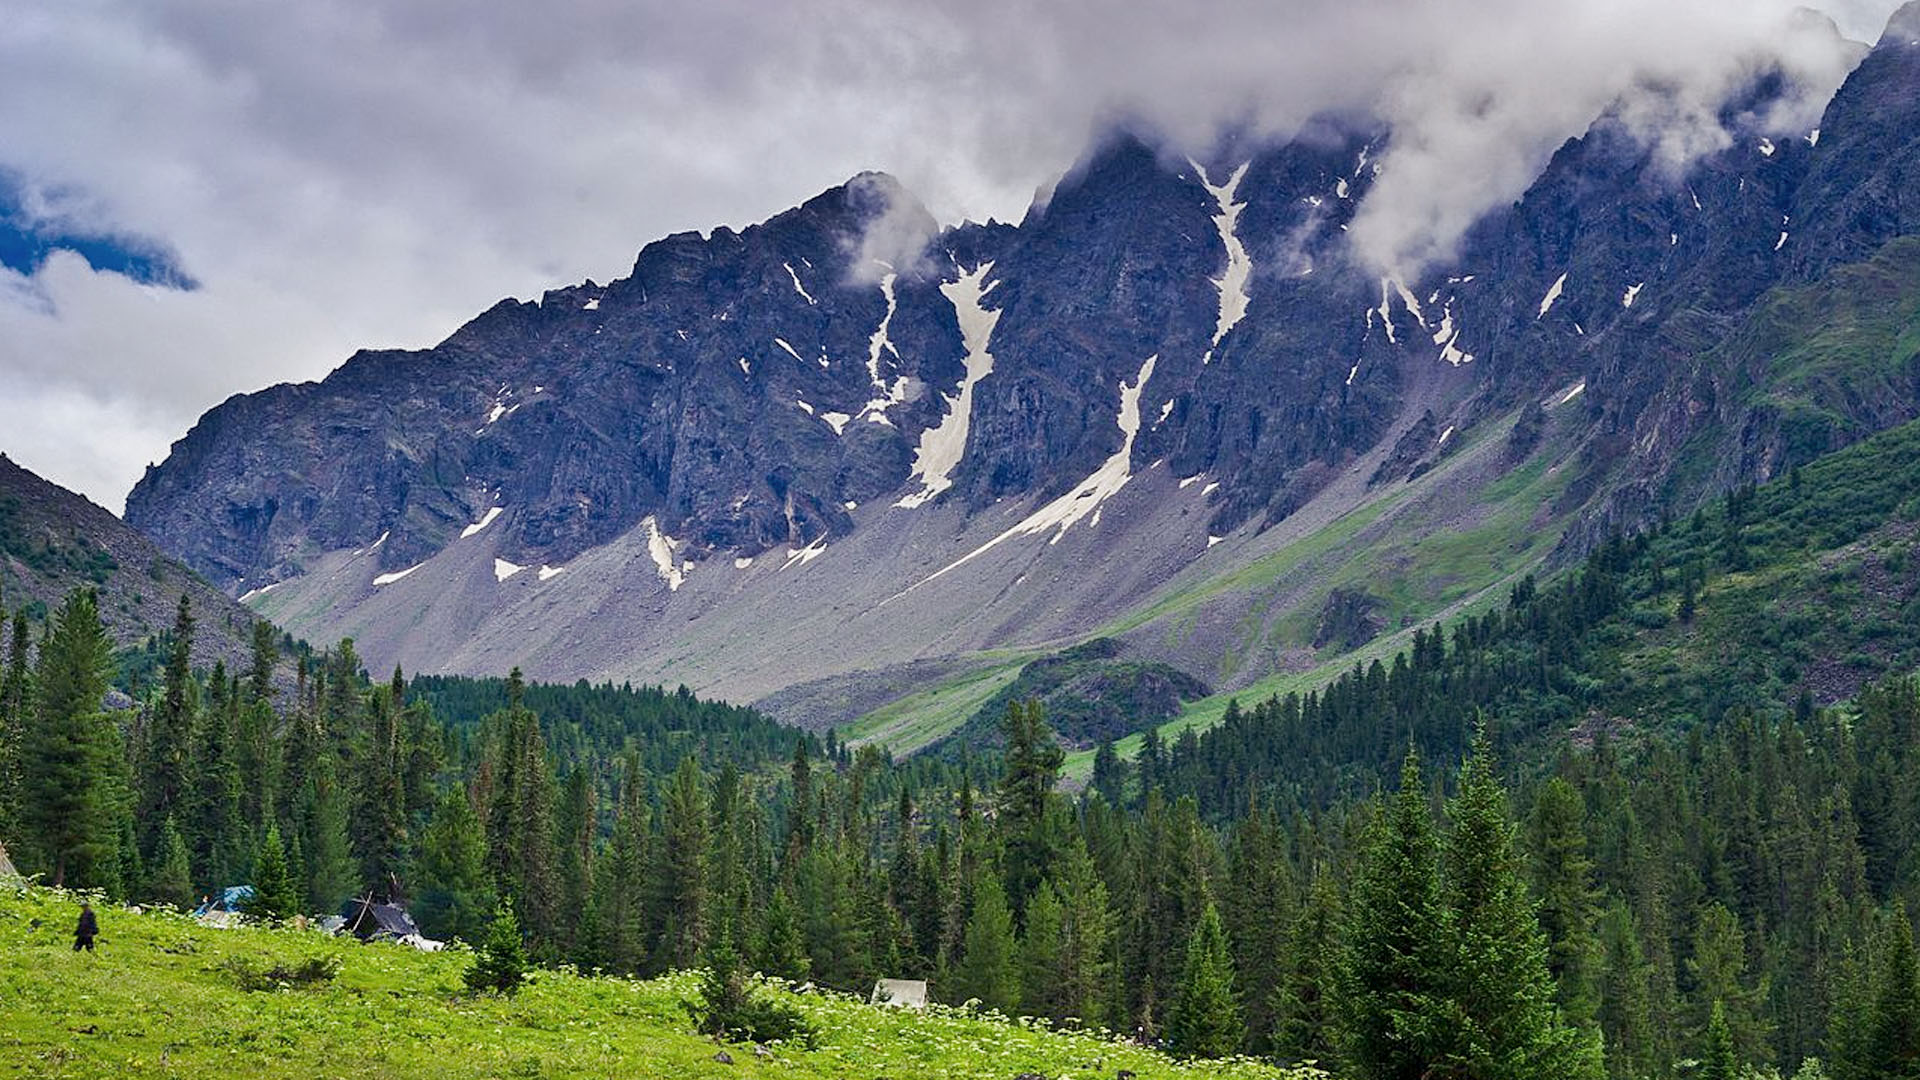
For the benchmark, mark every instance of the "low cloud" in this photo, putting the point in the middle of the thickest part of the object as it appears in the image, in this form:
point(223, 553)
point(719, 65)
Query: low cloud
point(347, 173)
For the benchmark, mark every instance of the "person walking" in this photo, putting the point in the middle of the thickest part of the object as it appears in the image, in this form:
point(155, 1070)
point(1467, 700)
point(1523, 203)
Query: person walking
point(88, 929)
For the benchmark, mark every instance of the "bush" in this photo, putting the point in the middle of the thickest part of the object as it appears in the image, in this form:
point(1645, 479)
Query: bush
point(728, 1010)
point(307, 974)
point(501, 963)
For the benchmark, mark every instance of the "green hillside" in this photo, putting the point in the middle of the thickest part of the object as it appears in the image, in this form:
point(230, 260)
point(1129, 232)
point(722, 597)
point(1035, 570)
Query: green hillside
point(161, 998)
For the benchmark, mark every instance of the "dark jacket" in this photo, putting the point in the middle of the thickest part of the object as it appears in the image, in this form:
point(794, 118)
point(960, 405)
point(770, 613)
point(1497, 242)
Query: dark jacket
point(89, 926)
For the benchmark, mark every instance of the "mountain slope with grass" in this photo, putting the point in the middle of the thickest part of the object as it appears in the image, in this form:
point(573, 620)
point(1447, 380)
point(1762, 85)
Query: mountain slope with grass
point(162, 997)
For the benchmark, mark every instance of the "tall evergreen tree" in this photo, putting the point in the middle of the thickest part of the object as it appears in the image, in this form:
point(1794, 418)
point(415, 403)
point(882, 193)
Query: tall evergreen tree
point(332, 875)
point(987, 970)
point(274, 892)
point(169, 737)
point(1501, 995)
point(1397, 943)
point(1563, 882)
point(680, 905)
point(171, 879)
point(15, 694)
point(1303, 1019)
point(1032, 767)
point(454, 893)
point(1892, 1045)
point(71, 754)
point(1205, 1018)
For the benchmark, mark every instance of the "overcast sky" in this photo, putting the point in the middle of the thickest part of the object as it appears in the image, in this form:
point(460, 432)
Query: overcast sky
point(340, 174)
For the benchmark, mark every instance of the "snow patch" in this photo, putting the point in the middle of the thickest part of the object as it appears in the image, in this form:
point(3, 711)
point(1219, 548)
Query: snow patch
point(1572, 392)
point(943, 445)
point(1552, 297)
point(1166, 410)
point(802, 405)
point(388, 579)
point(1212, 540)
point(591, 305)
point(1782, 243)
point(1767, 148)
point(1232, 283)
point(1085, 500)
point(1448, 338)
point(660, 546)
point(1192, 480)
point(745, 368)
point(1813, 137)
point(1445, 435)
point(375, 546)
point(741, 563)
point(805, 555)
point(261, 591)
point(886, 397)
point(502, 569)
point(486, 519)
point(797, 287)
point(1341, 189)
point(1210, 489)
point(835, 420)
point(1633, 293)
point(782, 342)
point(550, 572)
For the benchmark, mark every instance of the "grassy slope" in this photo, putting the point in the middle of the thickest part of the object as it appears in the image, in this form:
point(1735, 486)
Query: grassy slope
point(155, 1001)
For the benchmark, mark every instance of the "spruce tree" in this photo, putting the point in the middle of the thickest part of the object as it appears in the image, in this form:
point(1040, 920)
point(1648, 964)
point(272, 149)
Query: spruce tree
point(274, 893)
point(71, 754)
point(171, 881)
point(454, 893)
point(16, 685)
point(1039, 957)
point(1303, 1021)
point(1396, 955)
point(680, 901)
point(500, 964)
point(1205, 1018)
point(619, 886)
point(1717, 1058)
point(169, 737)
point(782, 948)
point(987, 971)
point(1892, 1045)
point(1500, 993)
point(332, 876)
point(1562, 880)
point(1026, 788)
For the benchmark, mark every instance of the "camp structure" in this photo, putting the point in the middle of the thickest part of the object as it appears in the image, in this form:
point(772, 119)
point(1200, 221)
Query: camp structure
point(906, 993)
point(8, 875)
point(225, 911)
point(372, 921)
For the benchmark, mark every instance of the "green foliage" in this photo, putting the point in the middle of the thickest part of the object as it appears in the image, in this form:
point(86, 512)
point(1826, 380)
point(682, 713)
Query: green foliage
point(1205, 1020)
point(274, 894)
point(255, 976)
point(73, 796)
point(500, 964)
point(455, 893)
point(727, 1008)
point(162, 988)
point(987, 972)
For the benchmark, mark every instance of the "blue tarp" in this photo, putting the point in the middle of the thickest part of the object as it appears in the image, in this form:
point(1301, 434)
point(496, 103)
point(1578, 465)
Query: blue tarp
point(232, 898)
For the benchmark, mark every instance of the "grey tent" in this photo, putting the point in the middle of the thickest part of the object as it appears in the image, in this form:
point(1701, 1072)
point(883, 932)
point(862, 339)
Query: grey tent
point(370, 921)
point(906, 993)
point(8, 875)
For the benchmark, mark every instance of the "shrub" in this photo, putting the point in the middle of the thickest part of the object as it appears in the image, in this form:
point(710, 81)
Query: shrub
point(312, 972)
point(727, 1008)
point(501, 962)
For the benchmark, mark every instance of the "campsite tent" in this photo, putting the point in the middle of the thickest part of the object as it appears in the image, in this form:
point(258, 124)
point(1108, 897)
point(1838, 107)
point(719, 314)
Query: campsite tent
point(225, 911)
point(906, 993)
point(8, 875)
point(370, 921)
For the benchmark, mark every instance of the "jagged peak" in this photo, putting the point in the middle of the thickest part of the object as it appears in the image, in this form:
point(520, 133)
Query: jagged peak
point(1904, 27)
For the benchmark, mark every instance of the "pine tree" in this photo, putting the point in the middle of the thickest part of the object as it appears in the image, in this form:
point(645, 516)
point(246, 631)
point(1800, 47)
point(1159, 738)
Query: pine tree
point(1026, 788)
point(1717, 1058)
point(332, 875)
point(169, 737)
point(172, 877)
point(1303, 1019)
point(454, 895)
point(1205, 1018)
point(1562, 880)
point(987, 971)
point(16, 693)
point(378, 828)
point(1039, 956)
point(1391, 999)
point(215, 828)
point(274, 895)
point(71, 754)
point(573, 840)
point(1499, 988)
point(619, 887)
point(1892, 1049)
point(500, 964)
point(680, 904)
point(782, 950)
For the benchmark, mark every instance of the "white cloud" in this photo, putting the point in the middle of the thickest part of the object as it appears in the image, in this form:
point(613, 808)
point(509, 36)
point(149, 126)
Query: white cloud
point(347, 173)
